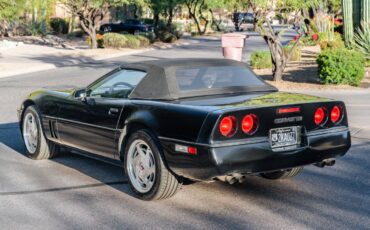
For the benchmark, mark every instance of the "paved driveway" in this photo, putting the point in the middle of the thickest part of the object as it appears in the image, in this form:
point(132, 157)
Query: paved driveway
point(73, 192)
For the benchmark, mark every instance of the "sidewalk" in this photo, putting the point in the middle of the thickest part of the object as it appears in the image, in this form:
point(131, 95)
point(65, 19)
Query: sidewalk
point(32, 58)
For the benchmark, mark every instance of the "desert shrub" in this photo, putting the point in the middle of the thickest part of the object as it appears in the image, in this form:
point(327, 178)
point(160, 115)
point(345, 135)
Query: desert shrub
point(330, 41)
point(144, 41)
point(261, 60)
point(323, 36)
point(313, 26)
point(37, 28)
point(114, 40)
point(308, 41)
point(132, 41)
point(151, 36)
point(362, 40)
point(341, 66)
point(167, 37)
point(59, 25)
point(178, 34)
point(335, 44)
point(16, 28)
point(297, 53)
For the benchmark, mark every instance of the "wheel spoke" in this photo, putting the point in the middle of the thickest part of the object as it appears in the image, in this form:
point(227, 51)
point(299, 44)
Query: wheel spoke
point(140, 151)
point(150, 170)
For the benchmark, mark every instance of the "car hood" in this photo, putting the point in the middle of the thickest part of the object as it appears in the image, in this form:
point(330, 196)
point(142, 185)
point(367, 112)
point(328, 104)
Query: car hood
point(254, 100)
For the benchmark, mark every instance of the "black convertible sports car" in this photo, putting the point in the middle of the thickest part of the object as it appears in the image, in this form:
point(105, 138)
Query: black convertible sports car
point(131, 26)
point(171, 121)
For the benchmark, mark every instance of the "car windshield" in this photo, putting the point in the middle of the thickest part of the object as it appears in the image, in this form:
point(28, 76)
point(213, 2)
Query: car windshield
point(216, 77)
point(118, 84)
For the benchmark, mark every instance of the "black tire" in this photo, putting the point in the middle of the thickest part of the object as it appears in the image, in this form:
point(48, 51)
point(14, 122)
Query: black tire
point(165, 184)
point(282, 174)
point(45, 149)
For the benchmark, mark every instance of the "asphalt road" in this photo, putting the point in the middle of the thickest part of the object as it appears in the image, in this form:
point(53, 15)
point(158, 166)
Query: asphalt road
point(73, 192)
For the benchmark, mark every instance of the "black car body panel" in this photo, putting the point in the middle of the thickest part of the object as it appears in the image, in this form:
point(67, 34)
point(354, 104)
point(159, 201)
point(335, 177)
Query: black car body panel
point(101, 126)
point(130, 26)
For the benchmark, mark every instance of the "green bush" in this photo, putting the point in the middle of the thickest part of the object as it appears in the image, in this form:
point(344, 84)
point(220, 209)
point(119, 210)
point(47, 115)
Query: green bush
point(341, 66)
point(132, 41)
point(307, 41)
point(144, 41)
point(313, 26)
point(38, 28)
point(114, 40)
point(58, 25)
point(335, 43)
point(261, 60)
point(297, 53)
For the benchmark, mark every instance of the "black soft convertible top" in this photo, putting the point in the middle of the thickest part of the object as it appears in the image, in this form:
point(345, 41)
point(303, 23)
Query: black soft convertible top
point(160, 82)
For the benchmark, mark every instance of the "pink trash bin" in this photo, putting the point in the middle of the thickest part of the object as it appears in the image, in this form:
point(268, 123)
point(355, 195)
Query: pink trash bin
point(232, 46)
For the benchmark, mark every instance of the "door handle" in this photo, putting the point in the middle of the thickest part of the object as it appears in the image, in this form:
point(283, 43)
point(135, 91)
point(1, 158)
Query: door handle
point(113, 111)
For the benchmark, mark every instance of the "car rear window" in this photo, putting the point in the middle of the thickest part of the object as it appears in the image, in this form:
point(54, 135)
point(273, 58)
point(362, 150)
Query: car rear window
point(215, 77)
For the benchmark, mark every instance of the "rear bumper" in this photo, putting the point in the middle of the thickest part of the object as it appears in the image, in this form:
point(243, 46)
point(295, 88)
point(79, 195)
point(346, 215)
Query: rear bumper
point(255, 157)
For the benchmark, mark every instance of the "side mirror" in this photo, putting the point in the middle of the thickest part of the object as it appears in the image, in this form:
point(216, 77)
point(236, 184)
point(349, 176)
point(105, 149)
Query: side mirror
point(80, 94)
point(82, 97)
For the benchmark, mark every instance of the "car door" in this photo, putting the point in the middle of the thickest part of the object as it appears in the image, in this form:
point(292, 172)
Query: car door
point(90, 123)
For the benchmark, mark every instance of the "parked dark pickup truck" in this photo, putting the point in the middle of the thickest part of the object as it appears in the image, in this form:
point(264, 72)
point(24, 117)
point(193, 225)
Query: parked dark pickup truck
point(132, 26)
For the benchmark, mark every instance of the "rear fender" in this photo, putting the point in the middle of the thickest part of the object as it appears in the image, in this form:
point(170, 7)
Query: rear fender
point(136, 121)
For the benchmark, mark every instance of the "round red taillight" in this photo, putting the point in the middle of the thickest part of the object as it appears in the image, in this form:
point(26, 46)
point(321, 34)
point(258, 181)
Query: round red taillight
point(320, 116)
point(250, 124)
point(335, 114)
point(228, 126)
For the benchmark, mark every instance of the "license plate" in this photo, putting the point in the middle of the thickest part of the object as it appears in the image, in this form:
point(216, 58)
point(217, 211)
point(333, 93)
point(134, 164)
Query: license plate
point(285, 138)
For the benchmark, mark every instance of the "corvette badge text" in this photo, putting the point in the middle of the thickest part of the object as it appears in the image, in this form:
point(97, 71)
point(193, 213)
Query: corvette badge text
point(287, 119)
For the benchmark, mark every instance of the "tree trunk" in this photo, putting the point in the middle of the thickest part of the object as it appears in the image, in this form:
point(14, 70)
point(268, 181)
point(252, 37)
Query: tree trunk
point(156, 19)
point(90, 30)
point(196, 22)
point(94, 42)
point(278, 57)
point(155, 23)
point(170, 17)
point(71, 24)
point(205, 26)
point(214, 21)
point(193, 16)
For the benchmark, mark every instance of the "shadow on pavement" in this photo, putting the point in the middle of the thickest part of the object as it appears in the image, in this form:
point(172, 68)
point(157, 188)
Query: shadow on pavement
point(315, 197)
point(74, 60)
point(107, 174)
